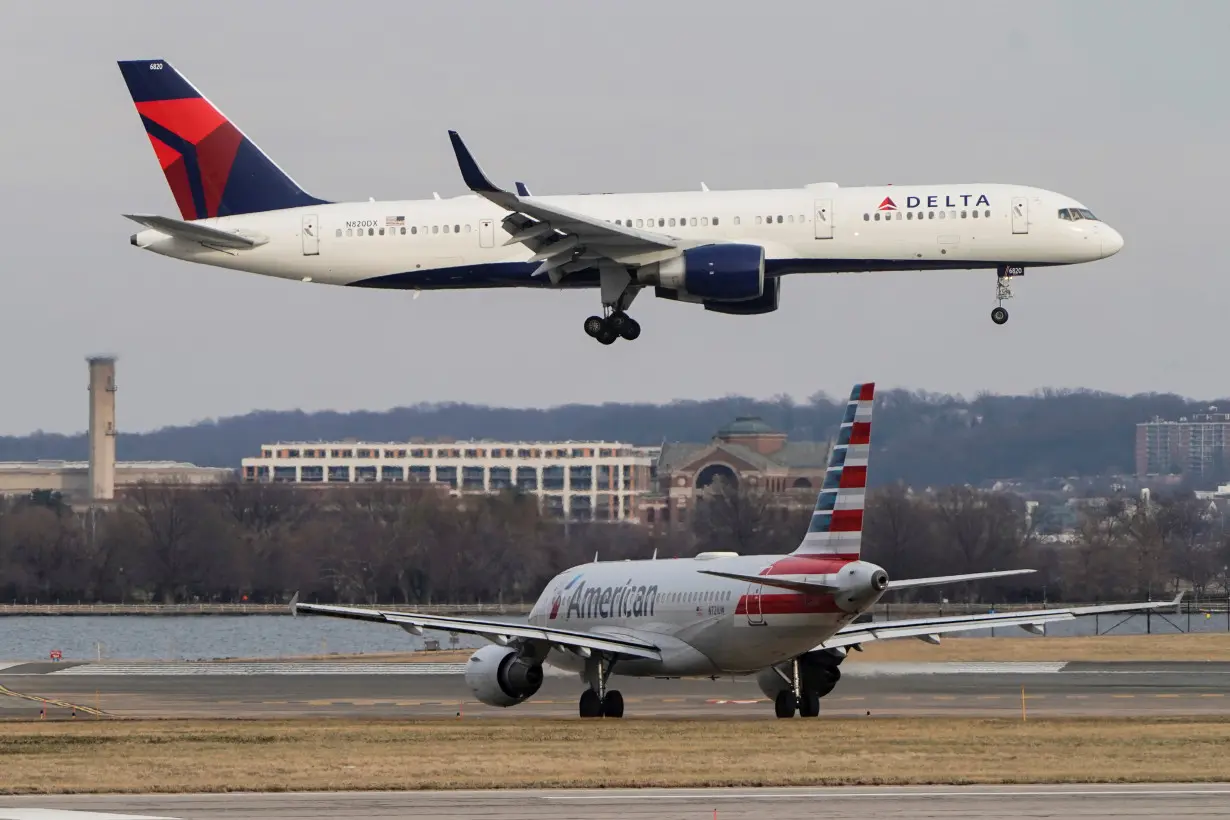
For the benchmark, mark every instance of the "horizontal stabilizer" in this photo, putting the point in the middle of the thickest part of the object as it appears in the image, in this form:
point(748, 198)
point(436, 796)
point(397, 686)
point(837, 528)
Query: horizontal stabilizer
point(940, 580)
point(195, 232)
point(796, 583)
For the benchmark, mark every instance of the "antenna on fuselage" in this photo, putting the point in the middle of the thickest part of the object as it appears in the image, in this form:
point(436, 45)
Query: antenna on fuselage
point(655, 554)
point(595, 556)
point(435, 194)
point(704, 187)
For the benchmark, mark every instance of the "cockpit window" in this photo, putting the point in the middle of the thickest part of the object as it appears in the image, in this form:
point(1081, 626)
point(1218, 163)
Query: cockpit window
point(1074, 214)
point(1064, 213)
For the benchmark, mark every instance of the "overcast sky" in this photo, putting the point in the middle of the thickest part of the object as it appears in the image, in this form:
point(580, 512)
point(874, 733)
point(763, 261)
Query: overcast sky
point(1119, 104)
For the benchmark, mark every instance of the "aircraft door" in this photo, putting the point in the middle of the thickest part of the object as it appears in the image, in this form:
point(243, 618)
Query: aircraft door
point(311, 235)
point(486, 234)
point(1020, 214)
point(755, 616)
point(824, 219)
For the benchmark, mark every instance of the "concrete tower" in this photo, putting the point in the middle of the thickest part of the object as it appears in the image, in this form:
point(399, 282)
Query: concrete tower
point(102, 427)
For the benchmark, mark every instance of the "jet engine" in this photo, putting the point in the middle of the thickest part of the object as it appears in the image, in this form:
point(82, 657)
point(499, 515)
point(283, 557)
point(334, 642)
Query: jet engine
point(765, 303)
point(720, 273)
point(497, 677)
point(818, 672)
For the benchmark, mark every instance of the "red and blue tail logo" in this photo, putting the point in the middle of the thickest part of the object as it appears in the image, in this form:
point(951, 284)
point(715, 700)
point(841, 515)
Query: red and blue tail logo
point(212, 168)
point(836, 528)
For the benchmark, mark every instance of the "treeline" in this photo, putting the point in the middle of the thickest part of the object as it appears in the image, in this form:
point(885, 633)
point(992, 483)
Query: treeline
point(380, 544)
point(1049, 433)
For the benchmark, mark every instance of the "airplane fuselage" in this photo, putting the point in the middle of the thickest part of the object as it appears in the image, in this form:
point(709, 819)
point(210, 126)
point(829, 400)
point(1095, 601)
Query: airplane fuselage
point(705, 625)
point(460, 242)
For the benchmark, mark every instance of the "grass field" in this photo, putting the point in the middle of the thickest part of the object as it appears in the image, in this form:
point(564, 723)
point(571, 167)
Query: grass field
point(1213, 646)
point(199, 756)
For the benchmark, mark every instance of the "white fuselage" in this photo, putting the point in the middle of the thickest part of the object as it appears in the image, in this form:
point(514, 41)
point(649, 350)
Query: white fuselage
point(459, 242)
point(704, 625)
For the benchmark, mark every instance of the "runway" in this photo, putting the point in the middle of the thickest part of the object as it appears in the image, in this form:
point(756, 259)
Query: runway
point(1006, 803)
point(286, 690)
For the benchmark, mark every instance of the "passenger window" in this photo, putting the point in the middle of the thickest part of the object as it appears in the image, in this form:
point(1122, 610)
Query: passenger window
point(382, 231)
point(371, 231)
point(672, 221)
point(715, 221)
point(446, 228)
point(952, 214)
point(941, 214)
point(909, 215)
point(339, 231)
point(898, 216)
point(758, 220)
point(661, 222)
point(737, 222)
point(349, 232)
point(987, 213)
point(930, 214)
point(779, 219)
point(638, 223)
point(403, 231)
point(693, 222)
point(456, 229)
point(413, 230)
point(974, 214)
point(704, 221)
point(866, 217)
point(963, 214)
point(802, 218)
point(435, 228)
point(467, 228)
point(619, 222)
point(877, 216)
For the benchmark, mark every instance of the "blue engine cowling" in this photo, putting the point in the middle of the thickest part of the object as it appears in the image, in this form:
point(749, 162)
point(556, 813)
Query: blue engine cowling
point(766, 303)
point(722, 273)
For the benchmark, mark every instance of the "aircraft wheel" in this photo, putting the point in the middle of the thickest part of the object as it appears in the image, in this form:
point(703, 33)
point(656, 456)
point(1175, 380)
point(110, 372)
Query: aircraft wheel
point(591, 706)
point(613, 704)
point(631, 329)
point(999, 315)
point(785, 704)
point(593, 326)
point(607, 335)
point(809, 704)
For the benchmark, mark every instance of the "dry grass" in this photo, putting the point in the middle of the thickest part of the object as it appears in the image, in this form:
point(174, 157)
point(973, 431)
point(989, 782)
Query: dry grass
point(199, 756)
point(1213, 646)
point(436, 656)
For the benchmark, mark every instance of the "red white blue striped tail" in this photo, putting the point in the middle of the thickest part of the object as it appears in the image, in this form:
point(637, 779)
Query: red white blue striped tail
point(836, 528)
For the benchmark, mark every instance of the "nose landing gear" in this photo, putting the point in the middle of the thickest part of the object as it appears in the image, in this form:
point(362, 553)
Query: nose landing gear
point(1003, 290)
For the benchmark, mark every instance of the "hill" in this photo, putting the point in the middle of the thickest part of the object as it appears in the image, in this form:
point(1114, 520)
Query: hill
point(921, 438)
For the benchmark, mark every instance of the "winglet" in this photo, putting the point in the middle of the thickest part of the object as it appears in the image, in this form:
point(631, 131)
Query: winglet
point(294, 604)
point(474, 177)
point(522, 190)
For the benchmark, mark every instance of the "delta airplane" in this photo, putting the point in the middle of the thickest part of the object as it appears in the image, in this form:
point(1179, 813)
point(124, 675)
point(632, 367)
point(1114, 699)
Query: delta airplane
point(727, 251)
point(789, 620)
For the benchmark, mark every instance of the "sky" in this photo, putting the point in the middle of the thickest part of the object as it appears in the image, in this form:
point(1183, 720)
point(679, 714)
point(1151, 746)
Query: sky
point(1119, 104)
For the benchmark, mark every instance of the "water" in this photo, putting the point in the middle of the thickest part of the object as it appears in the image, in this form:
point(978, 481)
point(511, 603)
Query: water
point(209, 637)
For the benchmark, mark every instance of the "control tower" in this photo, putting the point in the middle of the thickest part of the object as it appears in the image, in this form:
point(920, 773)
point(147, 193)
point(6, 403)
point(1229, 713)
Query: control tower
point(102, 427)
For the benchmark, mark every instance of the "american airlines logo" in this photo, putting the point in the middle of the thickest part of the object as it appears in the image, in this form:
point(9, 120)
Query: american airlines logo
point(624, 601)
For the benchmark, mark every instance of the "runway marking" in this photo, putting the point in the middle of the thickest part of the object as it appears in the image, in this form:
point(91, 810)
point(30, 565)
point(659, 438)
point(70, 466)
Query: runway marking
point(5, 691)
point(944, 697)
point(1213, 695)
point(989, 697)
point(1123, 696)
point(837, 794)
point(1167, 696)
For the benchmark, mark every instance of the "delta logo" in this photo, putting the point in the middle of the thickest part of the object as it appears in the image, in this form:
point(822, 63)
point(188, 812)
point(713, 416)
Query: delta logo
point(887, 204)
point(937, 201)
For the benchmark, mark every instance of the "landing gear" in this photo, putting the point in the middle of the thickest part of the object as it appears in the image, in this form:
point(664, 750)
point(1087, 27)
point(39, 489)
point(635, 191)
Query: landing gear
point(597, 700)
point(618, 291)
point(798, 699)
point(617, 325)
point(1003, 290)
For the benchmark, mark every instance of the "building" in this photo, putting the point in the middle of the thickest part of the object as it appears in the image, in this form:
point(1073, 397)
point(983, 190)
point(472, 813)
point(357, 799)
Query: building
point(1199, 446)
point(72, 479)
point(582, 481)
point(745, 452)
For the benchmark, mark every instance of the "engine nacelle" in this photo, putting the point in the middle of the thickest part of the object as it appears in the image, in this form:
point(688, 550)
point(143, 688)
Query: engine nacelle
point(818, 672)
point(765, 303)
point(723, 273)
point(497, 677)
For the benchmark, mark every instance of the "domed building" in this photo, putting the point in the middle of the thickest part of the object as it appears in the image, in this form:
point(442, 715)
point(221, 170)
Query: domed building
point(746, 452)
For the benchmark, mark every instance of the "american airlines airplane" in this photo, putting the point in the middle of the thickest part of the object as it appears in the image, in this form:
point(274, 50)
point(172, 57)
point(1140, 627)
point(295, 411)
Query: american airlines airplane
point(727, 251)
point(787, 619)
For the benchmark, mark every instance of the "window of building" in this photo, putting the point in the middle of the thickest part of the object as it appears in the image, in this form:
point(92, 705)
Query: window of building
point(473, 478)
point(447, 475)
point(285, 474)
point(420, 472)
point(553, 477)
point(365, 473)
point(527, 478)
point(388, 473)
point(581, 478)
point(312, 474)
point(339, 473)
point(501, 478)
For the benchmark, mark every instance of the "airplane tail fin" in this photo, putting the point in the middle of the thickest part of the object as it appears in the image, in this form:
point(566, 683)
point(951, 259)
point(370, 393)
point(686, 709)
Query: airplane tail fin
point(211, 167)
point(836, 528)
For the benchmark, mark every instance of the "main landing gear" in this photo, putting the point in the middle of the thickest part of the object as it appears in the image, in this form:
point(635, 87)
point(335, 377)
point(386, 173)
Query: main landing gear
point(614, 326)
point(618, 291)
point(597, 700)
point(796, 698)
point(1003, 290)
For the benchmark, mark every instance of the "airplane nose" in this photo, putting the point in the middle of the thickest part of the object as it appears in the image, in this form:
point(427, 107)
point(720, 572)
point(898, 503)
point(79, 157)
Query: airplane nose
point(1112, 242)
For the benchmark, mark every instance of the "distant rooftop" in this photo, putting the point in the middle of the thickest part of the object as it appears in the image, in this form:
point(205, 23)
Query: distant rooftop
point(747, 426)
point(56, 464)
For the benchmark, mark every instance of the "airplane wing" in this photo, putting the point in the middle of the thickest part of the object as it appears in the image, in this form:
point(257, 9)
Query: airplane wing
point(941, 580)
point(564, 241)
point(930, 629)
point(495, 631)
point(196, 232)
point(801, 583)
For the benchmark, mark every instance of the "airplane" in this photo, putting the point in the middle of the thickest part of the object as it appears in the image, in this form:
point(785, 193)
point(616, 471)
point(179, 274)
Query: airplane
point(727, 251)
point(789, 620)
